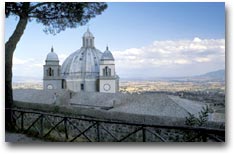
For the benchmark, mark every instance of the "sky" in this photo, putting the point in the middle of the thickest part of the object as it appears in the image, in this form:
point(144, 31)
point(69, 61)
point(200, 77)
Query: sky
point(147, 40)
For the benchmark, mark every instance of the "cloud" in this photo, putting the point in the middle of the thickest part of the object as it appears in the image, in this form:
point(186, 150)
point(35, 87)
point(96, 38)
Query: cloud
point(172, 55)
point(27, 67)
point(181, 61)
point(197, 39)
point(17, 61)
point(202, 59)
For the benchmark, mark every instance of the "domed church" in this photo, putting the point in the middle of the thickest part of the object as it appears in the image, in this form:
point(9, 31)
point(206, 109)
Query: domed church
point(87, 69)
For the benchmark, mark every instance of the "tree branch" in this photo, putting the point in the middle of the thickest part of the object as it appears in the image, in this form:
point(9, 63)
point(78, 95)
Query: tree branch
point(37, 5)
point(48, 18)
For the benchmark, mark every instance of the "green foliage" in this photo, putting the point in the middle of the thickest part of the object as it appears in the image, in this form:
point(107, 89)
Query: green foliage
point(202, 118)
point(56, 16)
point(191, 120)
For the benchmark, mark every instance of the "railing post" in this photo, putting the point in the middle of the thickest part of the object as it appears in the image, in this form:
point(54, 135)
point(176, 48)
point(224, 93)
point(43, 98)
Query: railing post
point(98, 131)
point(65, 128)
point(41, 125)
point(204, 137)
point(143, 134)
point(22, 121)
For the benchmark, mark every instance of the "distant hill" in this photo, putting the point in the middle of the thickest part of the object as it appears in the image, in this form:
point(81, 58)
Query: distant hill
point(215, 75)
point(218, 75)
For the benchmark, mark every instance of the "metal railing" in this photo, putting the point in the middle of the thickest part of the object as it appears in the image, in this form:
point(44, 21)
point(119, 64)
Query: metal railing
point(55, 127)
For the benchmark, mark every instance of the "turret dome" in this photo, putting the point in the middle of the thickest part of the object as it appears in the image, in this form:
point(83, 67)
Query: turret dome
point(107, 55)
point(52, 56)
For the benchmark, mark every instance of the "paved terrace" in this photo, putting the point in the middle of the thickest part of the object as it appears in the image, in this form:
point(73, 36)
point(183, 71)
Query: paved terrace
point(142, 104)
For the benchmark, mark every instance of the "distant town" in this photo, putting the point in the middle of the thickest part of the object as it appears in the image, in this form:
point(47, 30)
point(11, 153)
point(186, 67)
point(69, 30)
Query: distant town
point(209, 92)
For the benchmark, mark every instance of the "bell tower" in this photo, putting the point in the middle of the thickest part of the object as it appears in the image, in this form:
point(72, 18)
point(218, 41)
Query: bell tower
point(51, 72)
point(109, 81)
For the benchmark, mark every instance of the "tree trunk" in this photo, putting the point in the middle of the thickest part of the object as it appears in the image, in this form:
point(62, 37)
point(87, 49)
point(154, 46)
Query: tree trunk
point(9, 50)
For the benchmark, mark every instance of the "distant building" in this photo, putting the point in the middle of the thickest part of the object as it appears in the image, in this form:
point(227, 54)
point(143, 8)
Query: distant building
point(87, 69)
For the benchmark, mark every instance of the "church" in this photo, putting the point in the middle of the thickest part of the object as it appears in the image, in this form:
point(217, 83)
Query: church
point(87, 69)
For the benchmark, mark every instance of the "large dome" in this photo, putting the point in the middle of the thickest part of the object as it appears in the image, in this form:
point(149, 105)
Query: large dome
point(84, 63)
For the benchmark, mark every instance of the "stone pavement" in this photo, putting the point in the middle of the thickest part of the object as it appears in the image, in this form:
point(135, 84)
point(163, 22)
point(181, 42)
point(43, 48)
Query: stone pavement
point(20, 138)
point(143, 104)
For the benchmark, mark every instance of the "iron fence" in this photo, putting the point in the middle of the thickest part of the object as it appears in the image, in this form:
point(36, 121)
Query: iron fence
point(56, 127)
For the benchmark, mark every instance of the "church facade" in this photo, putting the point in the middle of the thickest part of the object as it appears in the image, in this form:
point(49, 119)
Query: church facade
point(87, 69)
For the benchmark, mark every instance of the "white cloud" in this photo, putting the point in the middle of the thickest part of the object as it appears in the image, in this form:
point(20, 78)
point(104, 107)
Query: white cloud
point(202, 59)
point(17, 61)
point(28, 67)
point(197, 39)
point(172, 55)
point(181, 61)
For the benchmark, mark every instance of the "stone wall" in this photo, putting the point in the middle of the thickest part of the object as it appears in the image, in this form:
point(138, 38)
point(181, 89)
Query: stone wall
point(108, 130)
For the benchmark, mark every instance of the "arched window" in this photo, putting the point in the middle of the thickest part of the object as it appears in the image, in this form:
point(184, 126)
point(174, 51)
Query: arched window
point(87, 42)
point(90, 42)
point(106, 71)
point(64, 84)
point(50, 72)
point(47, 72)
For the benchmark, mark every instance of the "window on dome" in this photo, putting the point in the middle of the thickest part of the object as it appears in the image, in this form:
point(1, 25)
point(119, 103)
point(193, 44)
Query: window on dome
point(90, 42)
point(80, 58)
point(82, 86)
point(87, 42)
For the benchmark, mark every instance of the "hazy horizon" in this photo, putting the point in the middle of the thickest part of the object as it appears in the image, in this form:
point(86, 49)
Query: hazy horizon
point(40, 78)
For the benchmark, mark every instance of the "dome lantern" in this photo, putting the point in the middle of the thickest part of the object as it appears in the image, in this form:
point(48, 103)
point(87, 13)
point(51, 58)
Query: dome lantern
point(88, 39)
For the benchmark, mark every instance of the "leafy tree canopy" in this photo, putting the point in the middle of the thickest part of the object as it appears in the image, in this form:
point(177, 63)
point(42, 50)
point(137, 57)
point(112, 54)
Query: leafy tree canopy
point(56, 16)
